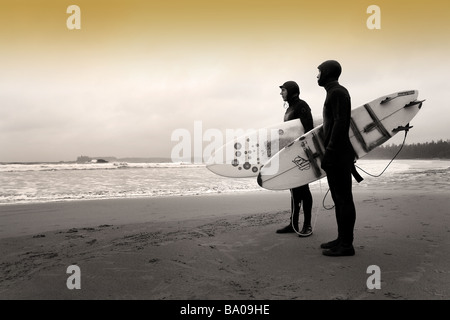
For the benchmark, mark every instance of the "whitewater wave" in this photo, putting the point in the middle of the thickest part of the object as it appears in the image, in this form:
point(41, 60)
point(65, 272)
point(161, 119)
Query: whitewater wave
point(92, 166)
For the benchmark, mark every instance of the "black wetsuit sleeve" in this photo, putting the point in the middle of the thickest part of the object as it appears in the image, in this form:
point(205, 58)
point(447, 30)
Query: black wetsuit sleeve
point(341, 109)
point(306, 117)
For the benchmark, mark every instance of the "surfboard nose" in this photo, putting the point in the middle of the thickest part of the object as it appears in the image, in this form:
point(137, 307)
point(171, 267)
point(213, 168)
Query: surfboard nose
point(259, 180)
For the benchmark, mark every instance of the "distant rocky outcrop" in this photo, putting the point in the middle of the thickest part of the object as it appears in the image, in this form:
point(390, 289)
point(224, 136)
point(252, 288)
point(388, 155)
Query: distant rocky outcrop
point(86, 159)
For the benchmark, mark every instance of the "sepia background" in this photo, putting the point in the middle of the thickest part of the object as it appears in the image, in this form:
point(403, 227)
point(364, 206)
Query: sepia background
point(138, 70)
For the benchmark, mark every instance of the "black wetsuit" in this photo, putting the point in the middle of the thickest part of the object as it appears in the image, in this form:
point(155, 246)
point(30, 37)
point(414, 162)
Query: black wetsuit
point(338, 160)
point(299, 109)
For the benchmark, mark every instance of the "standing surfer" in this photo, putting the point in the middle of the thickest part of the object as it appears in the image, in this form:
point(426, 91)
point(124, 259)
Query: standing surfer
point(338, 159)
point(298, 109)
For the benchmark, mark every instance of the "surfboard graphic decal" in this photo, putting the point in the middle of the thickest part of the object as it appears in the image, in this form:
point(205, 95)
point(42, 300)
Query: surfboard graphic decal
point(301, 163)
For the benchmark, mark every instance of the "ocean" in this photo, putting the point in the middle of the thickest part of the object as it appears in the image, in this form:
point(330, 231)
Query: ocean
point(37, 183)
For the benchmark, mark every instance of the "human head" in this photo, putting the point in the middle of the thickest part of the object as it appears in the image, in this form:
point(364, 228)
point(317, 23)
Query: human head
point(329, 70)
point(291, 90)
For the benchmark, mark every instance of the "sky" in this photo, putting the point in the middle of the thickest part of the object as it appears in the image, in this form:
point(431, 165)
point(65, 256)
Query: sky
point(138, 71)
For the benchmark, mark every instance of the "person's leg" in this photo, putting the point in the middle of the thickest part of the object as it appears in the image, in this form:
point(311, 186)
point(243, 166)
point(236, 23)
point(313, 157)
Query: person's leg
point(307, 201)
point(340, 182)
point(332, 180)
point(345, 207)
point(296, 204)
point(295, 212)
point(306, 198)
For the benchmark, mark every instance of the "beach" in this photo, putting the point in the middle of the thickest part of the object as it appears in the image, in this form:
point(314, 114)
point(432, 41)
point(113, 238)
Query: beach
point(224, 247)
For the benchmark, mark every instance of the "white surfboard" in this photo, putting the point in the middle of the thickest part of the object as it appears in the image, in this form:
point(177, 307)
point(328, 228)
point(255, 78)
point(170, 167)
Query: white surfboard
point(245, 155)
point(372, 124)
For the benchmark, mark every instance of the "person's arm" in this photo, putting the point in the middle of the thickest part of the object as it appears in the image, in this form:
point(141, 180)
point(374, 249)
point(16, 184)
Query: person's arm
point(306, 117)
point(341, 109)
point(341, 112)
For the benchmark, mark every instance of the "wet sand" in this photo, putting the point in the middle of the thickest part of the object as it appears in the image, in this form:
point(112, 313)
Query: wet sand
point(224, 247)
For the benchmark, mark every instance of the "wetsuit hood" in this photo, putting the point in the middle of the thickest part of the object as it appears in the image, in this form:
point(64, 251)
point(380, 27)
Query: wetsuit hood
point(292, 89)
point(330, 70)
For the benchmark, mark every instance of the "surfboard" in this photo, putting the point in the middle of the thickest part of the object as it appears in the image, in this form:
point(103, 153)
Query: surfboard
point(243, 156)
point(372, 124)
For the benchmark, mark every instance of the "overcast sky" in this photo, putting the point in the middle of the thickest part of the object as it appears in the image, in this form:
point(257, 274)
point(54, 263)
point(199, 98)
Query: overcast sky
point(138, 70)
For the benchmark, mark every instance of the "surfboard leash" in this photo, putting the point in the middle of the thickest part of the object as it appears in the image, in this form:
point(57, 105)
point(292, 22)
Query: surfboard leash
point(323, 204)
point(323, 201)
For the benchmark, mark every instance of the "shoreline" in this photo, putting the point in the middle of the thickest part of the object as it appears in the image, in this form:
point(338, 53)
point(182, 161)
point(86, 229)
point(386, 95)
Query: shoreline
point(96, 211)
point(225, 247)
point(30, 218)
point(244, 191)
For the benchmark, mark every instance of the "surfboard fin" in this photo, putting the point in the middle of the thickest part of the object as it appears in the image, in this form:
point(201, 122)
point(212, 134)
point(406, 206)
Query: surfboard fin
point(387, 99)
point(402, 128)
point(413, 103)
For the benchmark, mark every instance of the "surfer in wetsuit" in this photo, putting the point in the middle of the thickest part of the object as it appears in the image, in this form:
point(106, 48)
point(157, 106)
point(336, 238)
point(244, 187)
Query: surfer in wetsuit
point(338, 159)
point(298, 109)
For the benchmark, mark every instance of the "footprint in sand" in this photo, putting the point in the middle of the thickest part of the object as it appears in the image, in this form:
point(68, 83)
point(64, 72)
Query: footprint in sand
point(89, 229)
point(75, 236)
point(182, 264)
point(44, 255)
point(339, 297)
point(393, 295)
point(280, 242)
point(413, 276)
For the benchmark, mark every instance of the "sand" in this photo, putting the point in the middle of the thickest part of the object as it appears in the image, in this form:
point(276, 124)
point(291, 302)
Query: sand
point(224, 247)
